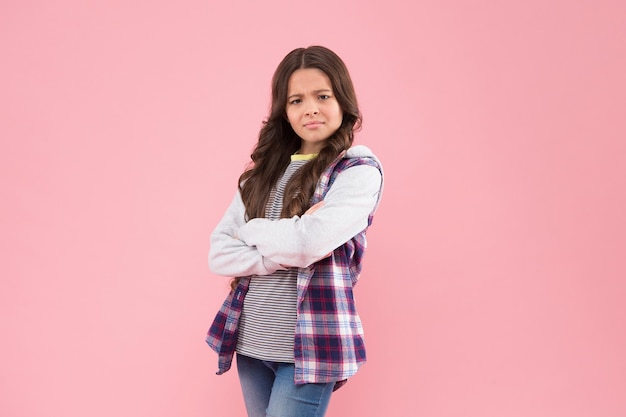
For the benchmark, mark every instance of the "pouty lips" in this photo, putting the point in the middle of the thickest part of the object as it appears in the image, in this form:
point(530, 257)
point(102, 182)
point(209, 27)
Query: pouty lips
point(313, 124)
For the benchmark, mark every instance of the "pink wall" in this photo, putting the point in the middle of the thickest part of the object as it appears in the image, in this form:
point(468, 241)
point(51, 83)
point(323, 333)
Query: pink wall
point(494, 284)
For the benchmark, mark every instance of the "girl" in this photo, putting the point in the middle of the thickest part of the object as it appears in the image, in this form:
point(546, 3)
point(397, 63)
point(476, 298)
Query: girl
point(294, 238)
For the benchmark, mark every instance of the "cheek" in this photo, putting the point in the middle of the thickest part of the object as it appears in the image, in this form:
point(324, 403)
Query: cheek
point(291, 116)
point(339, 115)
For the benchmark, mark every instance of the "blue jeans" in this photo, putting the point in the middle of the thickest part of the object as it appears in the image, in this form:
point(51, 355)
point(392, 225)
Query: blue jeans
point(269, 390)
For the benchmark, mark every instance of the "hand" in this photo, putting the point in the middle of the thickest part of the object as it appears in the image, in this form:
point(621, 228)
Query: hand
point(315, 207)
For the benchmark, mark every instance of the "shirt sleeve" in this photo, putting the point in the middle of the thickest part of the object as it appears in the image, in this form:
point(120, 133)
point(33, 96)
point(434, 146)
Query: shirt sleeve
point(302, 240)
point(230, 256)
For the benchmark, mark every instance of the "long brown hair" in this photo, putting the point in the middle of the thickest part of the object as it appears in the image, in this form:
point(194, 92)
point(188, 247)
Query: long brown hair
point(278, 141)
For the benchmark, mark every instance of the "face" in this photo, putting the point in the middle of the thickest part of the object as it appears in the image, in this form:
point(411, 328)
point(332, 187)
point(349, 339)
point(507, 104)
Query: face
point(312, 109)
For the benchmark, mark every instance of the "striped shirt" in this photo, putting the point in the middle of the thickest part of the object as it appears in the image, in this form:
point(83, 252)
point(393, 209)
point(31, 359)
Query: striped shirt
point(268, 319)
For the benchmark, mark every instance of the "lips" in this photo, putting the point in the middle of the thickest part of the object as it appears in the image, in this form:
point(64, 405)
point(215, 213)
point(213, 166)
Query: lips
point(313, 124)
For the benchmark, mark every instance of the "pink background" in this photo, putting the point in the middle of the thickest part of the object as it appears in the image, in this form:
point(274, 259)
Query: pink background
point(494, 284)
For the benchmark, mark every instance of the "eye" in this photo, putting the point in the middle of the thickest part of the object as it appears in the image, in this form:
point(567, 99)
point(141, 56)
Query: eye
point(324, 97)
point(295, 101)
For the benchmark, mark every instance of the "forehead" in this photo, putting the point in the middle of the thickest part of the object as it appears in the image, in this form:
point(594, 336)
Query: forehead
point(308, 79)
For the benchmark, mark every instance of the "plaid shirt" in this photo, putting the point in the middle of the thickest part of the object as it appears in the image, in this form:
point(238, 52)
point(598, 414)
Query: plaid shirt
point(328, 343)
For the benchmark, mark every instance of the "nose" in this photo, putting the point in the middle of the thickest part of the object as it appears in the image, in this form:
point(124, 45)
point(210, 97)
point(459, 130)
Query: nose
point(312, 109)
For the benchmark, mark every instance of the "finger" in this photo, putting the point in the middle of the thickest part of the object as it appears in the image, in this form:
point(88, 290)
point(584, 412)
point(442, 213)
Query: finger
point(314, 207)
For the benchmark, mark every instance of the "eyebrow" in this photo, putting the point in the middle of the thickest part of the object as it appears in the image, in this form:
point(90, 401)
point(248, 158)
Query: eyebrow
point(323, 90)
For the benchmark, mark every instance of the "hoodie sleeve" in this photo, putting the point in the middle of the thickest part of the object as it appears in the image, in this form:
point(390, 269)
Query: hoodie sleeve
point(302, 240)
point(230, 256)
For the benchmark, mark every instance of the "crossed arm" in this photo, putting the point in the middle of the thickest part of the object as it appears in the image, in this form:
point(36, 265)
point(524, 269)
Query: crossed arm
point(262, 246)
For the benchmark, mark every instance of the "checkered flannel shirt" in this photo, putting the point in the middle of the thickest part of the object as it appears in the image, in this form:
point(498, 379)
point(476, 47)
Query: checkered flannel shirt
point(328, 343)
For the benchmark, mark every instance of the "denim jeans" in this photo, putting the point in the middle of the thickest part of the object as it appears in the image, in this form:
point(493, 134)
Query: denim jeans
point(269, 390)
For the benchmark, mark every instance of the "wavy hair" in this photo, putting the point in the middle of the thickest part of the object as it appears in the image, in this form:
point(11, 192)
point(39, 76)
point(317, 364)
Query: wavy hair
point(278, 141)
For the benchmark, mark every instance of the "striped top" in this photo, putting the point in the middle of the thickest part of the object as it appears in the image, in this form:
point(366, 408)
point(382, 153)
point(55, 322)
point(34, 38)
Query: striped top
point(268, 319)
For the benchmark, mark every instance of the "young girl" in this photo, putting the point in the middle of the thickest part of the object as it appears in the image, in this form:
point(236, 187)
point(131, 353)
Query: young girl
point(294, 237)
